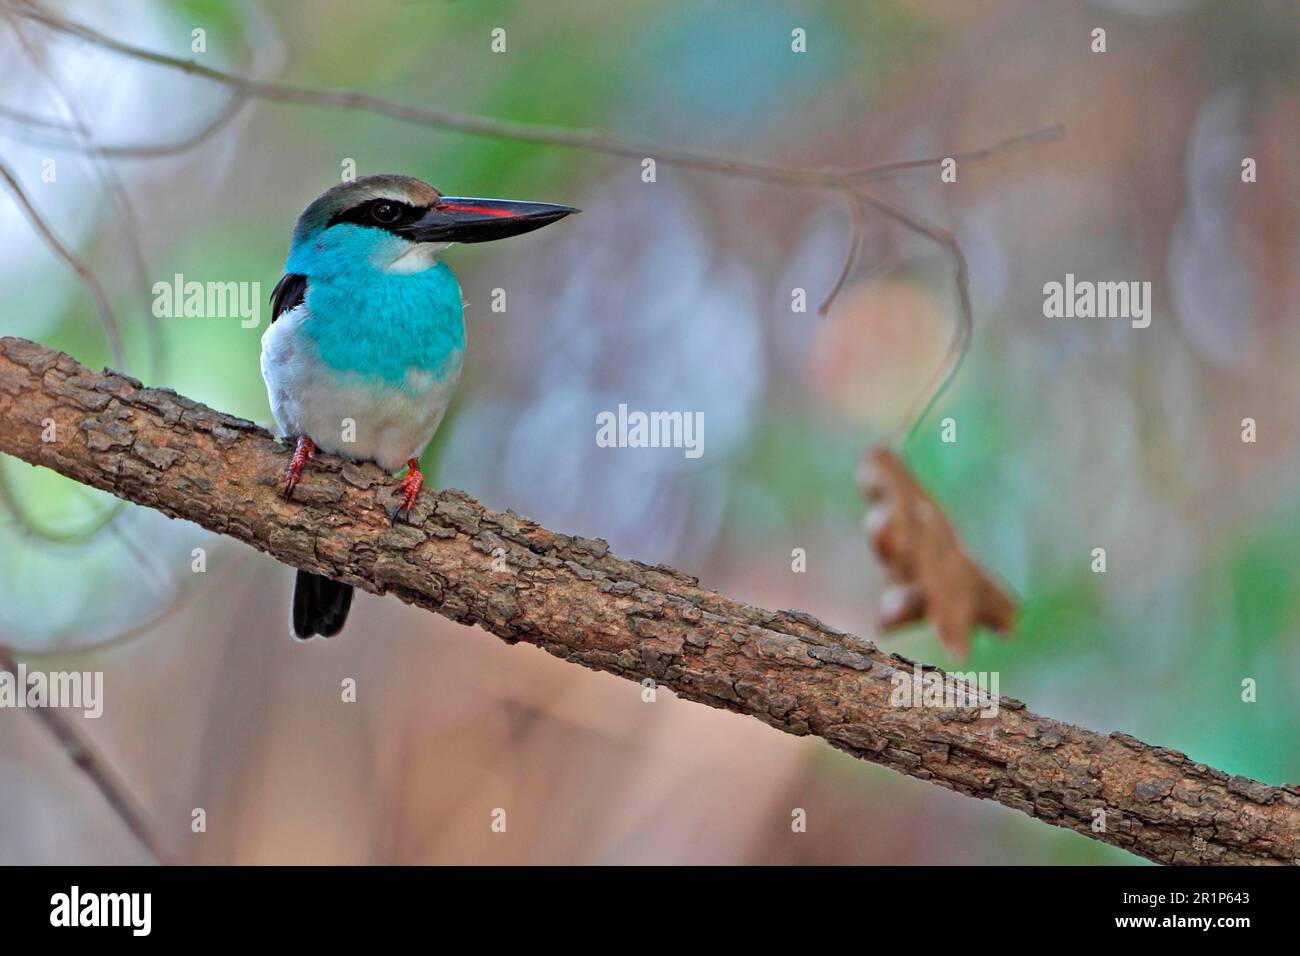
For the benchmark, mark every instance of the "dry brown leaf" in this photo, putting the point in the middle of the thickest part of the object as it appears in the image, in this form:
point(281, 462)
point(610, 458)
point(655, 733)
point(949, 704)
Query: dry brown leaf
point(927, 572)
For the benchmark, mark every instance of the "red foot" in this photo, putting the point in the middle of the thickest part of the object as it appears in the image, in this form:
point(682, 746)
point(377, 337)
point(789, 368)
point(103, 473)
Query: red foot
point(305, 451)
point(411, 486)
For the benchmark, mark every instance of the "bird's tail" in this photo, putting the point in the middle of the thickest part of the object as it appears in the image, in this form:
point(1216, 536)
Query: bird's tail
point(320, 606)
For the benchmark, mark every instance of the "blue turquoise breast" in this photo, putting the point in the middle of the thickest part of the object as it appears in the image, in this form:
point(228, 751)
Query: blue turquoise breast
point(376, 323)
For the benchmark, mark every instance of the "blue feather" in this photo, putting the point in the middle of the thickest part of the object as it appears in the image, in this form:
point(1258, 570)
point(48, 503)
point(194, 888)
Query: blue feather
point(372, 321)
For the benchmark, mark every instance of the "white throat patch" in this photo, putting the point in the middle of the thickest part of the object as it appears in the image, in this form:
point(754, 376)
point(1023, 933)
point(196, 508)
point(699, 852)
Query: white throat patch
point(417, 257)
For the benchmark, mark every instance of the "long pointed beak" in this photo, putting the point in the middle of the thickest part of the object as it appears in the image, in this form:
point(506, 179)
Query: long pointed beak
point(481, 220)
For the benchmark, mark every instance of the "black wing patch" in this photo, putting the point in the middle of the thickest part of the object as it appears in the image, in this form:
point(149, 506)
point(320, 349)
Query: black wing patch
point(288, 294)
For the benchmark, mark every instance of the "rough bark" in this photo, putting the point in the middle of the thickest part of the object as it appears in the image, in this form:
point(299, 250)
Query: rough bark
point(573, 598)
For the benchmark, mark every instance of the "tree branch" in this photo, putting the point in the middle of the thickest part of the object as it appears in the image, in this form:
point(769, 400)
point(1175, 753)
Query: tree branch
point(571, 597)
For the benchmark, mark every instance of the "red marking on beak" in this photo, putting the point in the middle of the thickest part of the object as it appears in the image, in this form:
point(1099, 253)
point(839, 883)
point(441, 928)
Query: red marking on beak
point(470, 207)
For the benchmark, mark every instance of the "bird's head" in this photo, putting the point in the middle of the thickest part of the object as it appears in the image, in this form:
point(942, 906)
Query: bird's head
point(399, 224)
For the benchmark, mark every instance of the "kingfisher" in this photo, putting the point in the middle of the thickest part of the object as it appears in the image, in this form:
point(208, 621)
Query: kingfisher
point(367, 337)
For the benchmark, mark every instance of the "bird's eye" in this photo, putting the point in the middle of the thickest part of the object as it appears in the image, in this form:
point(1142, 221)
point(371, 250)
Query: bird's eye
point(386, 212)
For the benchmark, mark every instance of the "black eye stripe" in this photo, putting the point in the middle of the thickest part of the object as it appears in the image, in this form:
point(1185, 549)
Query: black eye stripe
point(392, 217)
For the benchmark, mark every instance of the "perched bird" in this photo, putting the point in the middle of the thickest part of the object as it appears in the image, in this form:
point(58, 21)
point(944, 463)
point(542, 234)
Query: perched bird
point(367, 336)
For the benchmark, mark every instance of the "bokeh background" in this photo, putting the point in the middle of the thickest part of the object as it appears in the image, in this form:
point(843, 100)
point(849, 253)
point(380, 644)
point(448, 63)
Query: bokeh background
point(1072, 434)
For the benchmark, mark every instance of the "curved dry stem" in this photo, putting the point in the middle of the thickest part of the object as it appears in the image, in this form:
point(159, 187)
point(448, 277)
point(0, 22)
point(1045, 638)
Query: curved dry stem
point(87, 759)
point(158, 150)
point(83, 271)
point(855, 246)
point(875, 171)
point(121, 203)
point(108, 320)
point(35, 528)
point(960, 345)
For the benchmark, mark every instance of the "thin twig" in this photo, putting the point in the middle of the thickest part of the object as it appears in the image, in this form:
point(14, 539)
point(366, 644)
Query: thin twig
point(119, 198)
point(86, 759)
point(875, 171)
point(83, 271)
point(855, 245)
point(142, 150)
point(78, 535)
point(109, 322)
point(502, 129)
point(961, 339)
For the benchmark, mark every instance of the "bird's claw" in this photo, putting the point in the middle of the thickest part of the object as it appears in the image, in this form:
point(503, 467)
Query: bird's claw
point(305, 451)
point(410, 486)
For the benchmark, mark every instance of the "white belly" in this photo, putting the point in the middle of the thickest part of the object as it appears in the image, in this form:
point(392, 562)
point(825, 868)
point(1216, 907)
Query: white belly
point(342, 414)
